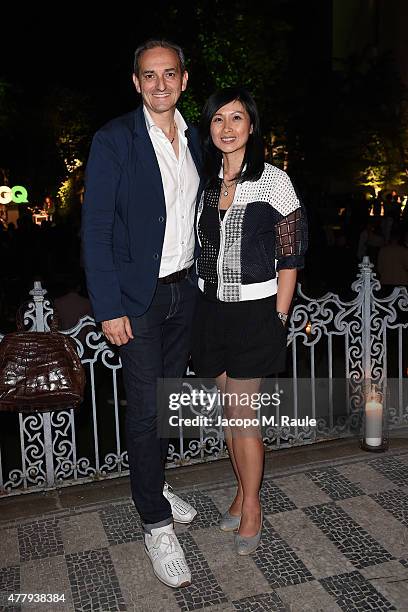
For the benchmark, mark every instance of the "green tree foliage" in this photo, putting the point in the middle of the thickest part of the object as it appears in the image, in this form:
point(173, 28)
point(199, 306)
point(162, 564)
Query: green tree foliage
point(368, 140)
point(69, 112)
point(348, 125)
point(235, 45)
point(69, 115)
point(238, 48)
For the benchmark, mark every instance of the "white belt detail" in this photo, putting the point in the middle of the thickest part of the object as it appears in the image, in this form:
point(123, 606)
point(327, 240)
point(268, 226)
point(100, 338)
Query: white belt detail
point(255, 291)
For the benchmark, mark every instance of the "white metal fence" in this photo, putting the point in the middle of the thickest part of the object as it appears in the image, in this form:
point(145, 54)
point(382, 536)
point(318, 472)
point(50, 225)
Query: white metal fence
point(329, 340)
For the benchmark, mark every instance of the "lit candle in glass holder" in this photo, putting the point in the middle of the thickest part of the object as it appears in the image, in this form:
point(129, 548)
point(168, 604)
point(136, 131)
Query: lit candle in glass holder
point(373, 421)
point(308, 328)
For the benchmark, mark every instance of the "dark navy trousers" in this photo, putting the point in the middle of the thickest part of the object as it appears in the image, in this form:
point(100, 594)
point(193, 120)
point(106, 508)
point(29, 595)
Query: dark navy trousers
point(160, 349)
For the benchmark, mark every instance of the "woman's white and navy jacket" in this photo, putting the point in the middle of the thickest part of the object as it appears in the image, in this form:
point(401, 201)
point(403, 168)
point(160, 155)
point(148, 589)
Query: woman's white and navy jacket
point(263, 231)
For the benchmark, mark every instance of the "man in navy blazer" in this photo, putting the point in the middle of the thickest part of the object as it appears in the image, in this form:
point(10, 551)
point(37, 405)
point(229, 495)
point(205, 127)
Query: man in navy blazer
point(138, 244)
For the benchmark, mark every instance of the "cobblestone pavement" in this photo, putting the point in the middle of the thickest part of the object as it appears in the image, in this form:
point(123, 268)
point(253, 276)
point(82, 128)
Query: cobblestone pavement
point(335, 538)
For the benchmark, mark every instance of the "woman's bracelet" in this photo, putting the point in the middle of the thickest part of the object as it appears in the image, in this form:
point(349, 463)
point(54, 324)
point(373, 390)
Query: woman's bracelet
point(282, 316)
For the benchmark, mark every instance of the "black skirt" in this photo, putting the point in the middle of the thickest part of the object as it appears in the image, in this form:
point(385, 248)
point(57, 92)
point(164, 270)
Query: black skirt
point(244, 339)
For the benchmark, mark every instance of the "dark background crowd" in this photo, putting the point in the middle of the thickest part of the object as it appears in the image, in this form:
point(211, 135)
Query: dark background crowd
point(338, 241)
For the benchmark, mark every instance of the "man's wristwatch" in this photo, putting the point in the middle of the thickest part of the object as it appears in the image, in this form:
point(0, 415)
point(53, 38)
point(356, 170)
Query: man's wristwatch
point(282, 316)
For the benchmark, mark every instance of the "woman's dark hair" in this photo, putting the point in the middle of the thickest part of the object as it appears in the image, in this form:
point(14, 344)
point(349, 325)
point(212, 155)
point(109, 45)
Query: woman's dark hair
point(254, 153)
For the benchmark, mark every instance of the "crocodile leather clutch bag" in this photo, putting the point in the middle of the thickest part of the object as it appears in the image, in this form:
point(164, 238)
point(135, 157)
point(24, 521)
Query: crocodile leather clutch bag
point(39, 372)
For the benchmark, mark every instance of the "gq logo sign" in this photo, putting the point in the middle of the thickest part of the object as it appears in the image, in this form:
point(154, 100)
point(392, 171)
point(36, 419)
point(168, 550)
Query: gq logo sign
point(16, 195)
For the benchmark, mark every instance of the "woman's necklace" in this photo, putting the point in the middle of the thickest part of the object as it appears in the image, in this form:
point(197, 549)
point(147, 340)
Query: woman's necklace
point(225, 193)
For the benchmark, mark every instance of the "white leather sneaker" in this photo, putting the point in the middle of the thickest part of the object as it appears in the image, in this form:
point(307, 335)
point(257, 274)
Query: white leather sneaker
point(167, 557)
point(183, 512)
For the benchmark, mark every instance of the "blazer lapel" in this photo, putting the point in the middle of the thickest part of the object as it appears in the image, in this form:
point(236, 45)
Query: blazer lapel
point(147, 155)
point(195, 150)
point(194, 147)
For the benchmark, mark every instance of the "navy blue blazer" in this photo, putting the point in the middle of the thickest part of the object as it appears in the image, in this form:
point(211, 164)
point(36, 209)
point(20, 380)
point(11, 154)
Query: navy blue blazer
point(124, 216)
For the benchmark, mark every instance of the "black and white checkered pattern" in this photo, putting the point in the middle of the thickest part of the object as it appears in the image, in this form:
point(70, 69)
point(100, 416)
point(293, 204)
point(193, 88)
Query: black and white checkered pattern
point(313, 556)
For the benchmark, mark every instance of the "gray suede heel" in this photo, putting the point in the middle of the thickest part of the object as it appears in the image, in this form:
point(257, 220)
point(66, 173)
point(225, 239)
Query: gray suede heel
point(229, 522)
point(246, 546)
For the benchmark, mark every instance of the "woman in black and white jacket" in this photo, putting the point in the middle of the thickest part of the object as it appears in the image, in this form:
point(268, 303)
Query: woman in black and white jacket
point(251, 228)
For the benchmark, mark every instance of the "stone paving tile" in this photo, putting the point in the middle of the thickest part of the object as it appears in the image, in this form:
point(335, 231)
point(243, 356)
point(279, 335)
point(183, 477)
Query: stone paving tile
point(403, 458)
point(277, 561)
point(333, 483)
point(83, 532)
point(204, 590)
point(48, 575)
point(151, 603)
point(265, 602)
point(94, 583)
point(228, 567)
point(390, 579)
point(318, 553)
point(389, 570)
point(353, 592)
point(273, 499)
point(9, 551)
point(302, 491)
point(223, 497)
point(224, 607)
point(395, 502)
point(392, 468)
point(365, 477)
point(308, 597)
point(207, 512)
point(351, 539)
point(307, 560)
point(380, 524)
point(39, 539)
point(121, 523)
point(9, 583)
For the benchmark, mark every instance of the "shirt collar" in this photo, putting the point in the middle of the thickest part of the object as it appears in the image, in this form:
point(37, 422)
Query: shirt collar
point(178, 118)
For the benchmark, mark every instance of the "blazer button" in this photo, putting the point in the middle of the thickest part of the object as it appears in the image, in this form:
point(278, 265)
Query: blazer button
point(156, 256)
point(161, 219)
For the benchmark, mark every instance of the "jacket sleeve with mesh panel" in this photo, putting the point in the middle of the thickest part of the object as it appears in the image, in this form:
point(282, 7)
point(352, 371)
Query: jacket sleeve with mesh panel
point(291, 233)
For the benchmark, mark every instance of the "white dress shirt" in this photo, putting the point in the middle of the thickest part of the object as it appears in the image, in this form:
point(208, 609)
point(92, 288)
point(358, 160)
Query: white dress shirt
point(180, 184)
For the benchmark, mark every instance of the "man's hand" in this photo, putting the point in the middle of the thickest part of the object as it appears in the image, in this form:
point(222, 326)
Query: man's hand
point(118, 331)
